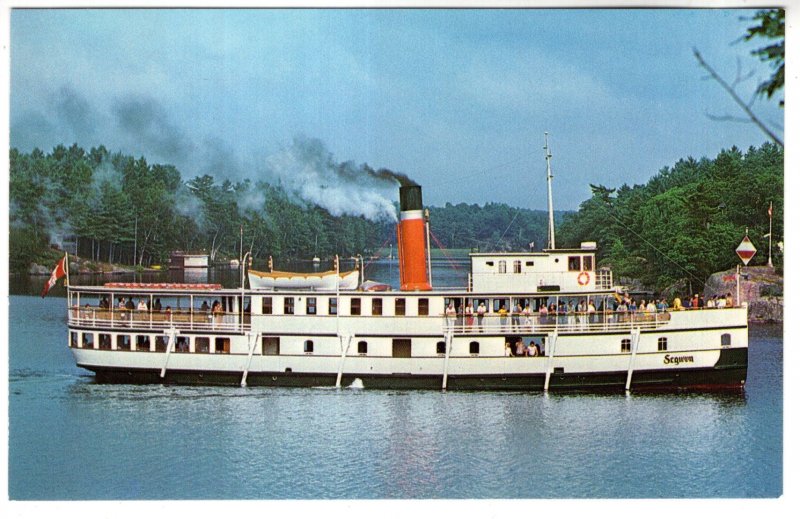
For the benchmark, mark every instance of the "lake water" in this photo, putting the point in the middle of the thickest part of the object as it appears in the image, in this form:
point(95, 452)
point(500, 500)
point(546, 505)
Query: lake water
point(73, 439)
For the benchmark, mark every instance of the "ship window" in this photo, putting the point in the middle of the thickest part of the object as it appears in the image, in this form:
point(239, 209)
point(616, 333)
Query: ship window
point(474, 348)
point(355, 306)
point(266, 305)
point(377, 306)
point(362, 347)
point(517, 267)
point(308, 346)
point(441, 348)
point(726, 339)
point(143, 342)
point(123, 342)
point(73, 339)
point(501, 266)
point(201, 344)
point(423, 308)
point(105, 341)
point(161, 342)
point(222, 345)
point(574, 263)
point(490, 263)
point(288, 305)
point(528, 263)
point(182, 344)
point(270, 345)
point(88, 340)
point(626, 345)
point(588, 263)
point(311, 305)
point(333, 306)
point(400, 306)
point(401, 348)
point(662, 344)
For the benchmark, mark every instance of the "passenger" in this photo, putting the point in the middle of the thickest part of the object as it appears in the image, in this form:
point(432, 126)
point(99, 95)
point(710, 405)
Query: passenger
point(729, 300)
point(129, 305)
point(204, 306)
point(533, 349)
point(121, 306)
point(676, 304)
point(216, 310)
point(526, 317)
point(712, 302)
point(571, 313)
point(515, 313)
point(450, 315)
point(157, 305)
point(508, 349)
point(543, 314)
point(168, 313)
point(481, 313)
point(590, 310)
point(661, 306)
point(142, 306)
point(468, 317)
point(695, 302)
point(503, 313)
point(520, 348)
point(720, 302)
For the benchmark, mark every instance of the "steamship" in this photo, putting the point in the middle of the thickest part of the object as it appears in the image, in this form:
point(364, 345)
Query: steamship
point(528, 321)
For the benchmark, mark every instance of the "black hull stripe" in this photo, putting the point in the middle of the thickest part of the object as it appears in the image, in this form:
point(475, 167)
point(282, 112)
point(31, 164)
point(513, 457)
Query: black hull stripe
point(730, 372)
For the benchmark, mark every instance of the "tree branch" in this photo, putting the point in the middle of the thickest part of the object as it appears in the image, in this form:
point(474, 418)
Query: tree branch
point(736, 98)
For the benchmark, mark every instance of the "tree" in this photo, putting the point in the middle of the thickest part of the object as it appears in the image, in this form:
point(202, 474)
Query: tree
point(772, 27)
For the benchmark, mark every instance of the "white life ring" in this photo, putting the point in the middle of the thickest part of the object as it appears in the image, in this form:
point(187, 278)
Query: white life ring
point(583, 278)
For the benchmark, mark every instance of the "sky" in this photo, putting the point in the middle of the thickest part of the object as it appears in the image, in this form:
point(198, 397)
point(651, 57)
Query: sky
point(458, 100)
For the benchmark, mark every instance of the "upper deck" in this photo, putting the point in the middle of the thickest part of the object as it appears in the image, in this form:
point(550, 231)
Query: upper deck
point(559, 270)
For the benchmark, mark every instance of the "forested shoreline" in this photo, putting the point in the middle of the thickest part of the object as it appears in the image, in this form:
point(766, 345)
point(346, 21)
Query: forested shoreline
point(685, 223)
point(114, 208)
point(679, 227)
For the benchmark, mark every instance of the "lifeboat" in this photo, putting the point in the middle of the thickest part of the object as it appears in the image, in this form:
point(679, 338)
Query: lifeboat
point(315, 280)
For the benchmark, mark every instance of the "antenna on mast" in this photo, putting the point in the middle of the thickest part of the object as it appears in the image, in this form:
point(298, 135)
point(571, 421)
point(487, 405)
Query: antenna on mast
point(552, 229)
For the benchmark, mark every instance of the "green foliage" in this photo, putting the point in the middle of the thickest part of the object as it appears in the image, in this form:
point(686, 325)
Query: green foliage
point(771, 25)
point(687, 221)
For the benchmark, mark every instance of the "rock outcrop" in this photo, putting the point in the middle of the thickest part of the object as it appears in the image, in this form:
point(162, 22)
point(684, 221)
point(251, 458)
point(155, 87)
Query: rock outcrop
point(761, 287)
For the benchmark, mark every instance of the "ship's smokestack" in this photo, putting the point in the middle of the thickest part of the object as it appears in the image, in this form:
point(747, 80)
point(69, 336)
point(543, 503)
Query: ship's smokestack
point(411, 240)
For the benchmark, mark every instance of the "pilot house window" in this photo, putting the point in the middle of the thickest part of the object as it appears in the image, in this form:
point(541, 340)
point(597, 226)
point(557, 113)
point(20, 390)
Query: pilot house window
point(574, 263)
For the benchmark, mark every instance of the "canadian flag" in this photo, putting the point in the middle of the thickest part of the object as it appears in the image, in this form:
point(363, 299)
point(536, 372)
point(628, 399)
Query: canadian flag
point(59, 272)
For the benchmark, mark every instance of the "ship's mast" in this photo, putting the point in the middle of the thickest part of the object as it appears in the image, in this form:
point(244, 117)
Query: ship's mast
point(552, 230)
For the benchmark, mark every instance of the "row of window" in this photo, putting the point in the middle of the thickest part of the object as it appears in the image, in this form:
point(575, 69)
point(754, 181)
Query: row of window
point(725, 340)
point(183, 344)
point(267, 308)
point(574, 263)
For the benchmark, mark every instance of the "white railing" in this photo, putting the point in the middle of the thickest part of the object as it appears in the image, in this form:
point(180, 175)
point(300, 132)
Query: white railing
point(595, 322)
point(147, 320)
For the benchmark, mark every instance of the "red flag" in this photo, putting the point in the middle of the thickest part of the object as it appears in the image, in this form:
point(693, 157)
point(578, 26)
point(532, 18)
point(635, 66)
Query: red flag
point(59, 272)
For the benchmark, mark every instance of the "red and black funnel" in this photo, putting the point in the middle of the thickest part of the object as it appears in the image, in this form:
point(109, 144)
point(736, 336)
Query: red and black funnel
point(411, 240)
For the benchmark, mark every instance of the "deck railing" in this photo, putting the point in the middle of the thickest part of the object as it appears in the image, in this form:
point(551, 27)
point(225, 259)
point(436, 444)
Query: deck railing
point(594, 322)
point(151, 320)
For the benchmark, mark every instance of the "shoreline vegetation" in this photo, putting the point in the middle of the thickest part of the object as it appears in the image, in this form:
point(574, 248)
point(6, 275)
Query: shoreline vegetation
point(121, 214)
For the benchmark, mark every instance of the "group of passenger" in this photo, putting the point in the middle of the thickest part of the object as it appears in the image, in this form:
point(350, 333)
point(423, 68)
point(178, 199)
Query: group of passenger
point(697, 302)
point(520, 350)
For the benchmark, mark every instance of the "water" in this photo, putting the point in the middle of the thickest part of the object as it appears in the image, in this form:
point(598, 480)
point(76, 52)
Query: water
point(73, 439)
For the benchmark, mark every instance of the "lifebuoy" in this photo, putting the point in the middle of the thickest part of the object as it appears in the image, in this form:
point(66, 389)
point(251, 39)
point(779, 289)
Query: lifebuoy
point(583, 278)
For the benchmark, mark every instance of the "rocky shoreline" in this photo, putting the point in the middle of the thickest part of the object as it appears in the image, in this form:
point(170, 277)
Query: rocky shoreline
point(761, 288)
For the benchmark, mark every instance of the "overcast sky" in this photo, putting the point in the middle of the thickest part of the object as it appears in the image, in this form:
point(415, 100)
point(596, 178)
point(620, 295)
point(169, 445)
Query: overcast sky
point(458, 100)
